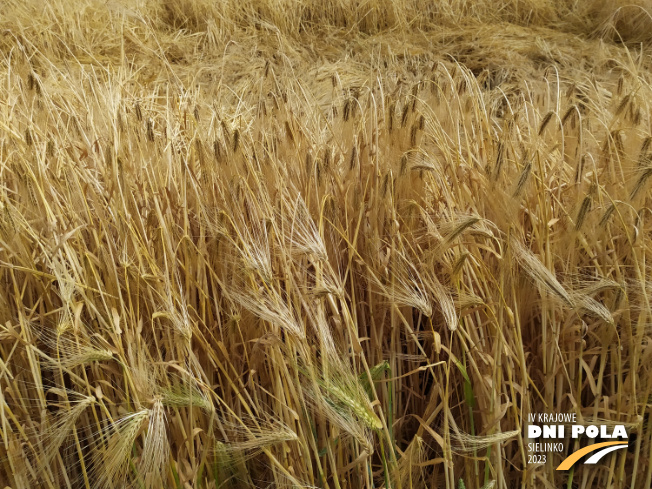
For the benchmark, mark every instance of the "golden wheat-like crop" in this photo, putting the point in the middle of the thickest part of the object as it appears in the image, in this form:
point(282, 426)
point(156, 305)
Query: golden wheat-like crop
point(300, 243)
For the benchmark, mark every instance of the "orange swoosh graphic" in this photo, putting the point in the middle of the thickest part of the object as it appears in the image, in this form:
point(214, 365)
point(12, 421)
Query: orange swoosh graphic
point(575, 456)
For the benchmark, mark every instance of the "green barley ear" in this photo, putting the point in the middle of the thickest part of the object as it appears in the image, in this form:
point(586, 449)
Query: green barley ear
point(352, 400)
point(339, 396)
point(377, 371)
point(224, 465)
point(71, 349)
point(183, 396)
point(85, 355)
point(345, 398)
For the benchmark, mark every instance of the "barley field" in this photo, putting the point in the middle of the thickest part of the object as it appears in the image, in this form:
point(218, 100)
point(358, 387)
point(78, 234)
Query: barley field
point(313, 244)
